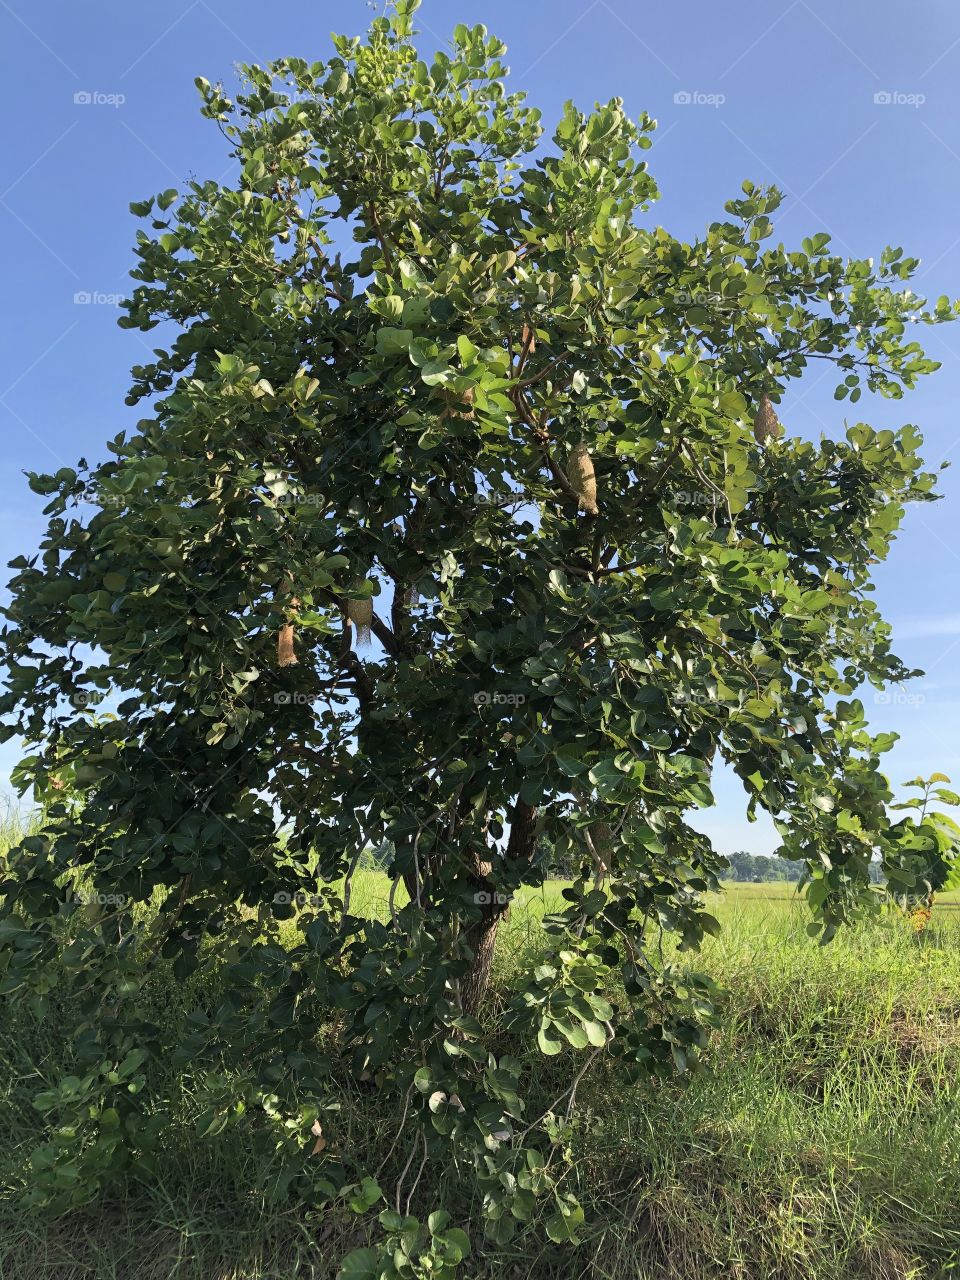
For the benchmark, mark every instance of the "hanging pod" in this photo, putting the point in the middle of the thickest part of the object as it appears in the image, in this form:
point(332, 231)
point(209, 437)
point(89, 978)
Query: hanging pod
point(601, 836)
point(286, 653)
point(766, 425)
point(360, 613)
point(583, 478)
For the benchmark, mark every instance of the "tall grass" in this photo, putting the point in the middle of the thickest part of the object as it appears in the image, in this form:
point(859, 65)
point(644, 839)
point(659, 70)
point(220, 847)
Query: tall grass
point(821, 1139)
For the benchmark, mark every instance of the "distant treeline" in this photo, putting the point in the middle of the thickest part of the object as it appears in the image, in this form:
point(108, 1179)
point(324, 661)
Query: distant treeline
point(758, 868)
point(753, 868)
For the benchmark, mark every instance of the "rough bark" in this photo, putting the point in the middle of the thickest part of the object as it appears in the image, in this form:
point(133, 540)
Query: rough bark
point(482, 938)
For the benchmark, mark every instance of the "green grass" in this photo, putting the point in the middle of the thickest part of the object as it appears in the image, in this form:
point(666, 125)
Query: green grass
point(821, 1140)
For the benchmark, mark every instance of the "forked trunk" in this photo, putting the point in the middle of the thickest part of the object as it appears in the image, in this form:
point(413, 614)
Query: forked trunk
point(482, 936)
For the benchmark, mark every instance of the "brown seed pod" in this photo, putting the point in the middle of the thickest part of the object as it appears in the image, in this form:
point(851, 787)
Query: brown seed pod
point(766, 425)
point(583, 478)
point(458, 404)
point(600, 838)
point(360, 613)
point(286, 654)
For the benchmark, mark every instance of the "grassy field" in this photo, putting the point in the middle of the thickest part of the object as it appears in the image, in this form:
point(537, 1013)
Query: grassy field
point(822, 1139)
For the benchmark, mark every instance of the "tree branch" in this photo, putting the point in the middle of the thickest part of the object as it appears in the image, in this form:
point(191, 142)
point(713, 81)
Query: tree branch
point(328, 766)
point(384, 635)
point(381, 238)
point(543, 440)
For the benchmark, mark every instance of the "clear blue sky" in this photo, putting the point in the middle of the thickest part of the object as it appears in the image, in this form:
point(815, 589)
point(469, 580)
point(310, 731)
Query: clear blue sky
point(783, 93)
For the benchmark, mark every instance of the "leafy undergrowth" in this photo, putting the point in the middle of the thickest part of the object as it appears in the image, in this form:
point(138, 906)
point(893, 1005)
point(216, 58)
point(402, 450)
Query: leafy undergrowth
point(821, 1140)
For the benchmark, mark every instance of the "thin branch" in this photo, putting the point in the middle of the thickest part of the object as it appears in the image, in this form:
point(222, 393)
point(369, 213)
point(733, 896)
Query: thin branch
point(543, 440)
point(177, 913)
point(381, 239)
point(416, 1181)
point(705, 479)
point(668, 463)
point(572, 1090)
point(393, 1144)
point(529, 342)
point(392, 899)
point(348, 884)
point(313, 757)
point(543, 373)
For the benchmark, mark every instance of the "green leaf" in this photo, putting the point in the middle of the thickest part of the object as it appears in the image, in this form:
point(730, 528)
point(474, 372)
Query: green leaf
point(360, 1264)
point(562, 1227)
point(393, 342)
point(437, 1221)
point(456, 1245)
point(467, 351)
point(596, 1033)
point(546, 1043)
point(364, 1196)
point(569, 763)
point(437, 373)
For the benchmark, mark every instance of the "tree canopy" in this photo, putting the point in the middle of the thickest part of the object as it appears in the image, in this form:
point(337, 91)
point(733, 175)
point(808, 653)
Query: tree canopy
point(461, 518)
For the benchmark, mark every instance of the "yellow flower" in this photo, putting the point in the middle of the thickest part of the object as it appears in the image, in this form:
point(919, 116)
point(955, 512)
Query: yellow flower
point(920, 918)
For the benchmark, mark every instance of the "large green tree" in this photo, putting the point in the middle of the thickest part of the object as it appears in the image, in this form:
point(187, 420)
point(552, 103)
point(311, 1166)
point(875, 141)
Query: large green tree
point(461, 520)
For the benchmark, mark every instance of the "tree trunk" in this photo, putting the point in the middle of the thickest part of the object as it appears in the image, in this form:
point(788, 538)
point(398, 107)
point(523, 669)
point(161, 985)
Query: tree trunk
point(482, 938)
